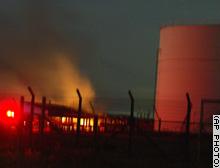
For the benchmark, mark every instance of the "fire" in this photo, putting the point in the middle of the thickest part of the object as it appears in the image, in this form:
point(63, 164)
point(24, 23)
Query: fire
point(63, 119)
point(70, 123)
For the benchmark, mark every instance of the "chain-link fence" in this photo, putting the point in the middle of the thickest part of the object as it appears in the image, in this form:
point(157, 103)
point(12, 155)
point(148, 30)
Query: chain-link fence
point(107, 123)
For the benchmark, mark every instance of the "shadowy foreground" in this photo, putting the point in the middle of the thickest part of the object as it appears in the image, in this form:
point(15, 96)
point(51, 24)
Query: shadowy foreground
point(110, 151)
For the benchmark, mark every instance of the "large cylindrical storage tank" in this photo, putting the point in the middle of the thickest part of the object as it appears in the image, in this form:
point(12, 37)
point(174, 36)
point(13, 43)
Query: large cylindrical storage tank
point(188, 61)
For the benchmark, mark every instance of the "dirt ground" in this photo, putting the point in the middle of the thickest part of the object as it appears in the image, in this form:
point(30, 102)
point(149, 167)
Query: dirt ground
point(106, 151)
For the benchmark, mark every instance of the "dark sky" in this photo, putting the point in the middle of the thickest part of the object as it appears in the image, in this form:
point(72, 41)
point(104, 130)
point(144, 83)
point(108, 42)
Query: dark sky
point(125, 37)
point(117, 39)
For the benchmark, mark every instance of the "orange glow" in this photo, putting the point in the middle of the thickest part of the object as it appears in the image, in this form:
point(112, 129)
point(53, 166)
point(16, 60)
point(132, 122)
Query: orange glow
point(71, 128)
point(74, 120)
point(86, 122)
point(68, 70)
point(63, 120)
point(99, 122)
point(81, 121)
point(70, 123)
point(66, 73)
point(87, 129)
point(91, 122)
point(75, 127)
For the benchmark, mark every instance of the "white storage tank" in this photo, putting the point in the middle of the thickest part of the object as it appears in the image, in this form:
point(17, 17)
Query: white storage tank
point(188, 61)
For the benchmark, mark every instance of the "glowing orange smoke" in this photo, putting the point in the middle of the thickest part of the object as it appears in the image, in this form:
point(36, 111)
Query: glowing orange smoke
point(55, 75)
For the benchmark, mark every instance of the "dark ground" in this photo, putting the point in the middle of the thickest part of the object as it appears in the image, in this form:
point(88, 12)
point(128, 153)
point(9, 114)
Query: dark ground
point(110, 151)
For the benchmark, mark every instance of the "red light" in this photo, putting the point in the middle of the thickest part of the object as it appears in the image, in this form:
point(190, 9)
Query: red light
point(9, 112)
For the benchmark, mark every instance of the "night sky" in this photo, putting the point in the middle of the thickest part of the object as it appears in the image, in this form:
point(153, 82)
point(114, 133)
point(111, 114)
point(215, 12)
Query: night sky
point(116, 40)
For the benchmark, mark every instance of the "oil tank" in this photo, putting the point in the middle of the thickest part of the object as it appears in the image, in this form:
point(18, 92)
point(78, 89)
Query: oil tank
point(188, 61)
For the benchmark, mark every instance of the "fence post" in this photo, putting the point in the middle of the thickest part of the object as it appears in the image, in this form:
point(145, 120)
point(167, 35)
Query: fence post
point(20, 133)
point(131, 120)
point(95, 125)
point(158, 117)
point(200, 130)
point(188, 115)
point(78, 115)
point(201, 117)
point(42, 120)
point(31, 117)
point(159, 125)
point(187, 130)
